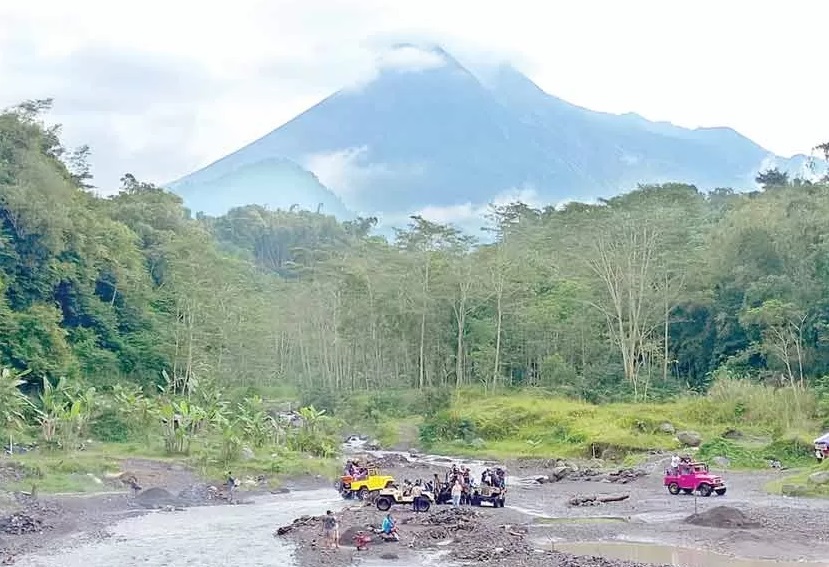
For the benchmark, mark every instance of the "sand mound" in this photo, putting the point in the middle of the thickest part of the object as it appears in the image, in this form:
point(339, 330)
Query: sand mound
point(721, 517)
point(155, 497)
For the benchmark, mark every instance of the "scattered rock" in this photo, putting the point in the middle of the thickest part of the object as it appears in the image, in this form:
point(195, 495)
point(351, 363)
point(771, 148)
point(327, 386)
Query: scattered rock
point(689, 438)
point(732, 434)
point(722, 517)
point(561, 472)
point(667, 428)
point(21, 523)
point(597, 499)
point(302, 521)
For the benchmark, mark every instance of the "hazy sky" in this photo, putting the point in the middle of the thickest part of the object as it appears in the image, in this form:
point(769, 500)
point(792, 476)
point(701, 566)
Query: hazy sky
point(162, 87)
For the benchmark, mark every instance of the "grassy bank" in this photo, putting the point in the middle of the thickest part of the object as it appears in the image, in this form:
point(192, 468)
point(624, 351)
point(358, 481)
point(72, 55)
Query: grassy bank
point(798, 483)
point(51, 472)
point(746, 423)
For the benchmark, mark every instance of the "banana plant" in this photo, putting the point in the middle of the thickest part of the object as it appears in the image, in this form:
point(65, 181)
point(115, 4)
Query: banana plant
point(13, 403)
point(257, 426)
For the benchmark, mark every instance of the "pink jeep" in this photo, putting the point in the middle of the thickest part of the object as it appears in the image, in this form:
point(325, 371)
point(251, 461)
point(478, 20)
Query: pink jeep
point(693, 477)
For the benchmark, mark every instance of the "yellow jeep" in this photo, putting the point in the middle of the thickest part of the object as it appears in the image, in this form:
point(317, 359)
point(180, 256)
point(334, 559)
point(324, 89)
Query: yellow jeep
point(351, 487)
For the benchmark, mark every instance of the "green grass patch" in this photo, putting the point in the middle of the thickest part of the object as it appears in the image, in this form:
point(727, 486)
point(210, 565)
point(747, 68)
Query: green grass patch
point(797, 483)
point(276, 464)
point(58, 471)
point(775, 424)
point(76, 472)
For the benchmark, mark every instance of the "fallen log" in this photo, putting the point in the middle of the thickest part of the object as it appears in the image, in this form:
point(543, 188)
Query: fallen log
point(597, 499)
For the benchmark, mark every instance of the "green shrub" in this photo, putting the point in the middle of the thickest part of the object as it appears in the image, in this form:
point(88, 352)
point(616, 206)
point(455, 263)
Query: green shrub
point(111, 427)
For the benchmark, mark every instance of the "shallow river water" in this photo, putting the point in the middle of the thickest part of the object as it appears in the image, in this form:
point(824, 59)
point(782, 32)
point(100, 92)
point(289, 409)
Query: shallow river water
point(203, 537)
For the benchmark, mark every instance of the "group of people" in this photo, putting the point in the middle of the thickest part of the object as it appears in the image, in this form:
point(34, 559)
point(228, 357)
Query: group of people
point(331, 531)
point(354, 470)
point(459, 484)
point(680, 464)
point(457, 487)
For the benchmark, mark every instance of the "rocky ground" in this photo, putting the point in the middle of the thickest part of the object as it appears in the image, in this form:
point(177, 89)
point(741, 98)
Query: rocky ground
point(549, 503)
point(554, 501)
point(478, 536)
point(31, 523)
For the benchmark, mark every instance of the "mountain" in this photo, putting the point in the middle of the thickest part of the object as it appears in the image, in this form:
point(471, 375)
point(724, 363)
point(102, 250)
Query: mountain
point(276, 182)
point(428, 132)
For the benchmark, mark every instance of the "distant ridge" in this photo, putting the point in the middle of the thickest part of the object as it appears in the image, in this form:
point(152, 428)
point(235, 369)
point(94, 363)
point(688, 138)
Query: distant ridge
point(427, 132)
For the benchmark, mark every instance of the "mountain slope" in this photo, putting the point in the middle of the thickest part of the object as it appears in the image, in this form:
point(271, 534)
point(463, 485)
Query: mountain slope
point(434, 134)
point(276, 182)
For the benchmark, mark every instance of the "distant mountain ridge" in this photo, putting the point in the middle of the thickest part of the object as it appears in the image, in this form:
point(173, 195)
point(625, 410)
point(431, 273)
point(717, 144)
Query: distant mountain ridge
point(427, 132)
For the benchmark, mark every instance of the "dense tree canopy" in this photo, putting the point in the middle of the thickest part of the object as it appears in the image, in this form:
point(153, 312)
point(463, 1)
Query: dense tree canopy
point(640, 295)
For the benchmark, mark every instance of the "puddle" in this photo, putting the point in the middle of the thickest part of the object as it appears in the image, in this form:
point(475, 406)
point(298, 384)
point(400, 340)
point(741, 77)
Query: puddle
point(667, 555)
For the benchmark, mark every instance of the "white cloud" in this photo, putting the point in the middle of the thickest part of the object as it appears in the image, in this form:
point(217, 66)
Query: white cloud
point(349, 171)
point(472, 216)
point(247, 66)
point(410, 58)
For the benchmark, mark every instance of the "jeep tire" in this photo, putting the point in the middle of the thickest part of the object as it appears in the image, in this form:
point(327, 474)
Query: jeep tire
point(384, 503)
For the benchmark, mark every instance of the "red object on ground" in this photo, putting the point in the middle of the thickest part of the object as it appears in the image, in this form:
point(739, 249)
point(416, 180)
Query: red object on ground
point(362, 541)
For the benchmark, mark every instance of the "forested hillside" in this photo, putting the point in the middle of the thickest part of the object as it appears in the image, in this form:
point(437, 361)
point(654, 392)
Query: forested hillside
point(641, 296)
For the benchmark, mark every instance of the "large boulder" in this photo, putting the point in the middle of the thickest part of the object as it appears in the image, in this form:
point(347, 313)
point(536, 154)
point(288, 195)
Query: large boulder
point(667, 427)
point(689, 438)
point(820, 477)
point(793, 490)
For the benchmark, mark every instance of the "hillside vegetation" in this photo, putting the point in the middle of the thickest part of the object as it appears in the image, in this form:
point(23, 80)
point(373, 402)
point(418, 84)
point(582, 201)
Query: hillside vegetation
point(119, 313)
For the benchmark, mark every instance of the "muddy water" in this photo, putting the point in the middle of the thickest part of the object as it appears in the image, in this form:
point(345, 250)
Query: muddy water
point(681, 557)
point(204, 537)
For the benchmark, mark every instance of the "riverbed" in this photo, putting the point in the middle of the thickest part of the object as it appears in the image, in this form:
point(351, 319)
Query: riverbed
point(647, 527)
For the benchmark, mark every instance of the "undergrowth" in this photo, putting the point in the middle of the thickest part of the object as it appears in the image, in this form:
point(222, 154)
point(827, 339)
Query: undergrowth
point(798, 483)
point(769, 423)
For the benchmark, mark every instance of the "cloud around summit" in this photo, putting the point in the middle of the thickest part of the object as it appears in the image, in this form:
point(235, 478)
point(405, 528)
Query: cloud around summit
point(163, 88)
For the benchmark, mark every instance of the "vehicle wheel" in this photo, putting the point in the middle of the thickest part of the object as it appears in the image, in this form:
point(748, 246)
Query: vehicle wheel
point(476, 501)
point(705, 489)
point(362, 494)
point(720, 491)
point(687, 491)
point(423, 505)
point(383, 503)
point(673, 488)
point(347, 494)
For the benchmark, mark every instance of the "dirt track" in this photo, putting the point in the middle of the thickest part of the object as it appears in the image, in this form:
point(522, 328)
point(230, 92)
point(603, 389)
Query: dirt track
point(99, 531)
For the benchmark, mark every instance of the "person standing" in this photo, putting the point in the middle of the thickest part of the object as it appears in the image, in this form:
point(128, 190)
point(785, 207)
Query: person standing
point(457, 491)
point(330, 529)
point(417, 493)
point(231, 486)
